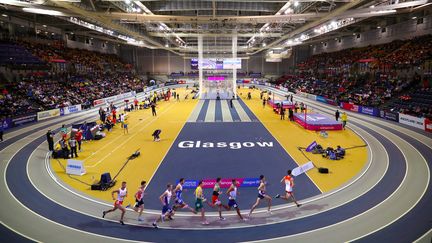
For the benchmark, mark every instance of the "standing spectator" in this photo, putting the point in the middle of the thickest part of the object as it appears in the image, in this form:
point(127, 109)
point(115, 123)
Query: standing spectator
point(125, 127)
point(344, 119)
point(291, 114)
point(73, 144)
point(231, 102)
point(101, 112)
point(153, 107)
point(282, 112)
point(264, 102)
point(63, 131)
point(1, 130)
point(178, 97)
point(50, 140)
point(114, 115)
point(136, 103)
point(337, 114)
point(78, 138)
point(64, 148)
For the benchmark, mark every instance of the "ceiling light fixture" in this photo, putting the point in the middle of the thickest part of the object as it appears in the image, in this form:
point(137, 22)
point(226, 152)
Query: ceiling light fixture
point(43, 11)
point(296, 3)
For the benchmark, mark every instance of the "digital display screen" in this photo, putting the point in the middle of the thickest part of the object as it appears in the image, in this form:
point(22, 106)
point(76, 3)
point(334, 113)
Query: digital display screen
point(216, 64)
point(216, 78)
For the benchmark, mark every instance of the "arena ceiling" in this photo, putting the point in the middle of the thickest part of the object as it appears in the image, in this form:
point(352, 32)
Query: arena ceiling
point(260, 25)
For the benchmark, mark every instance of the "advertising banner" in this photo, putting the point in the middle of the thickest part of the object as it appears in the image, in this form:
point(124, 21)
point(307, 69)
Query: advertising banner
point(75, 167)
point(98, 102)
point(350, 107)
point(23, 120)
point(70, 109)
point(412, 121)
point(321, 99)
point(224, 183)
point(369, 111)
point(7, 124)
point(303, 168)
point(428, 125)
point(388, 115)
point(48, 114)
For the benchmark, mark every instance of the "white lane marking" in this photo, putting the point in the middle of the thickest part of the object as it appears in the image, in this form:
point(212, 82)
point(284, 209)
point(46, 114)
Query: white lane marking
point(128, 139)
point(279, 208)
point(18, 233)
point(422, 238)
point(241, 112)
point(211, 111)
point(195, 113)
point(400, 185)
point(226, 114)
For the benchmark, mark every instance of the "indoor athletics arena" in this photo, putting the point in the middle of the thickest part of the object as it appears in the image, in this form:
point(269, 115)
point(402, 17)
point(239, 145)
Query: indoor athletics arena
point(216, 121)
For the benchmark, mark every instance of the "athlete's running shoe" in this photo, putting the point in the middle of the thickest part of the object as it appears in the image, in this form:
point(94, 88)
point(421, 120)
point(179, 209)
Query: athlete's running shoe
point(155, 226)
point(222, 218)
point(121, 222)
point(103, 214)
point(277, 196)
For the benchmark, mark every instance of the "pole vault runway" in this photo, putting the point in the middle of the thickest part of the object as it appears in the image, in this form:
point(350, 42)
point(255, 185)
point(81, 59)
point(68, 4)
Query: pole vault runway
point(389, 201)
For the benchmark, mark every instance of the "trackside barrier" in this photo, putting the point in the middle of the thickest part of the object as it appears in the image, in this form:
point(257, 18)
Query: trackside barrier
point(412, 121)
point(48, 114)
point(224, 183)
point(421, 123)
point(43, 115)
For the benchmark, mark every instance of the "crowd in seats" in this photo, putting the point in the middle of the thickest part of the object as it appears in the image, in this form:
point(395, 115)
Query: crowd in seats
point(417, 103)
point(335, 76)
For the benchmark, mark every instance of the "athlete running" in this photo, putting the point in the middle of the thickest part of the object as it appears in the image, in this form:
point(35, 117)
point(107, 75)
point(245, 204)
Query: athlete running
point(179, 203)
point(166, 209)
point(289, 185)
point(199, 199)
point(232, 196)
point(215, 199)
point(261, 195)
point(121, 194)
point(139, 203)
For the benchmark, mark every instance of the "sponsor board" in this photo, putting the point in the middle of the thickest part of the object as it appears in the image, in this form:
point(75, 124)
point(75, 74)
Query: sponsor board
point(388, 115)
point(24, 120)
point(412, 121)
point(369, 111)
point(98, 102)
point(224, 183)
point(70, 109)
point(75, 167)
point(350, 107)
point(6, 123)
point(428, 125)
point(303, 168)
point(321, 99)
point(48, 114)
point(228, 145)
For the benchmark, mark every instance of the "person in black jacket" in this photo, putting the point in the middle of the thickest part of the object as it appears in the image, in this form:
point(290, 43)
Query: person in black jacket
point(337, 115)
point(50, 140)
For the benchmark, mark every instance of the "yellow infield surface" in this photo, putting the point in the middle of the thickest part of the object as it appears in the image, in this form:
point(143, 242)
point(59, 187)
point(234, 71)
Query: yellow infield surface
point(290, 136)
point(110, 153)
